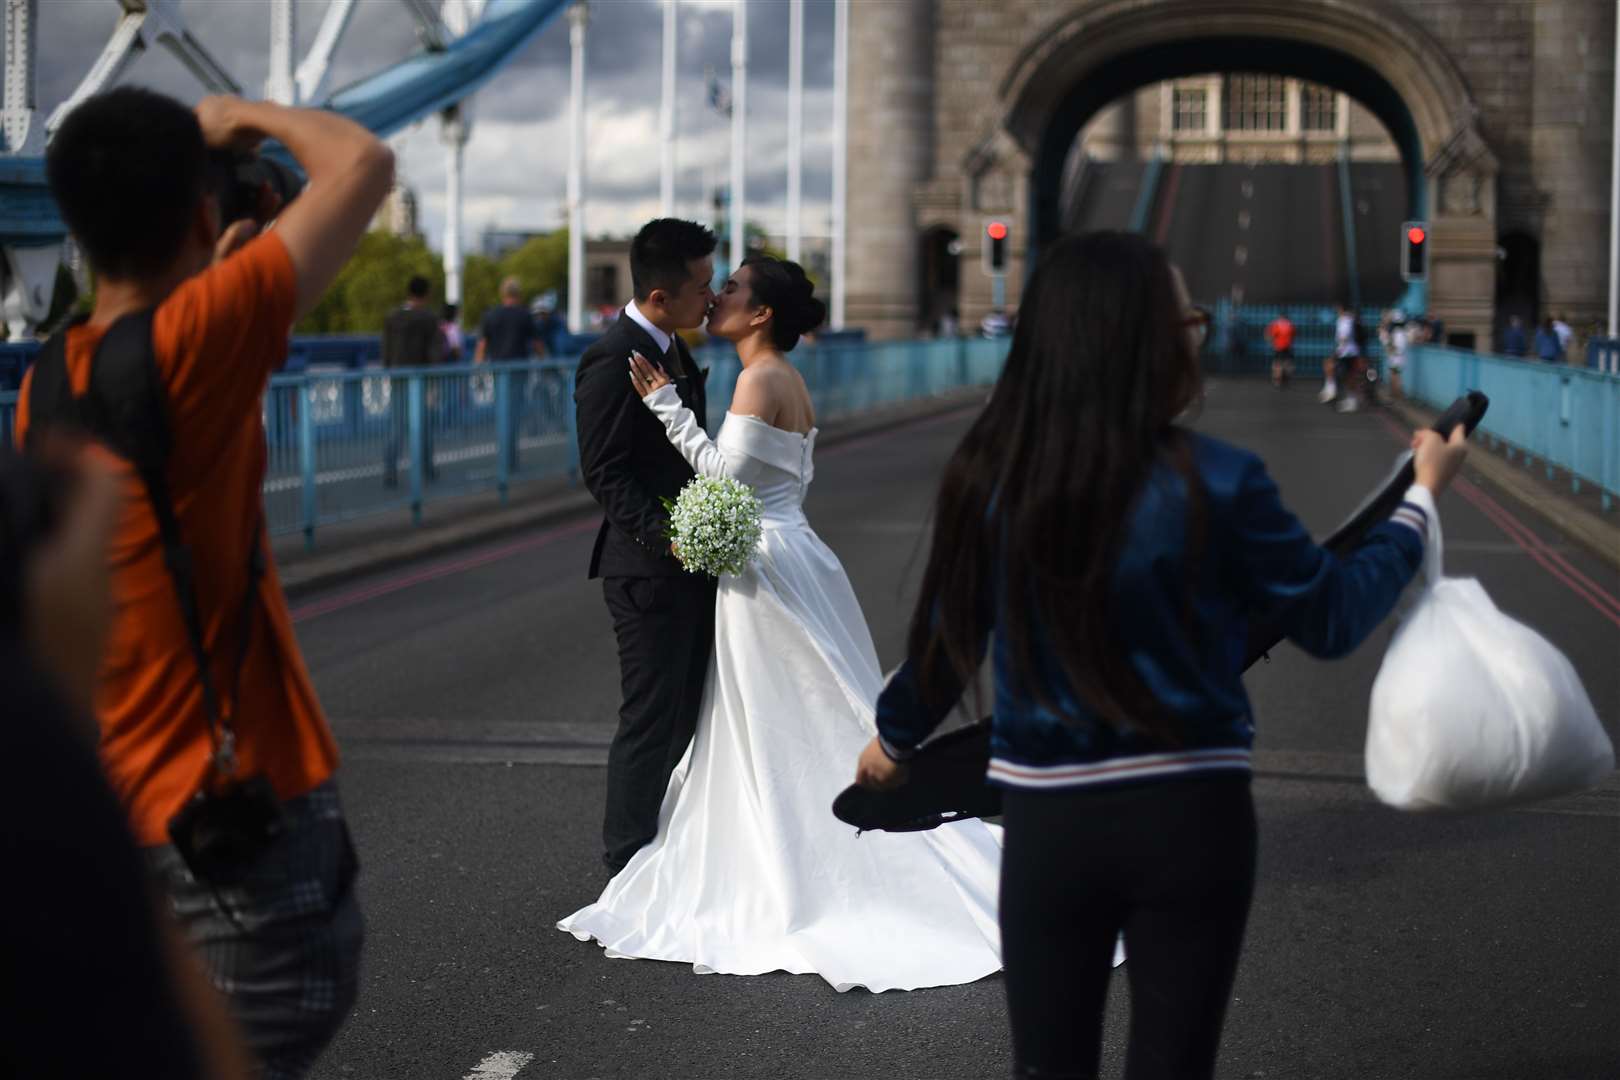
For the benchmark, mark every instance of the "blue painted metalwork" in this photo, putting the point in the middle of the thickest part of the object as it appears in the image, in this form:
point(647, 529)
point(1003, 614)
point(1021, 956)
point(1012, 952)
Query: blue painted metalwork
point(1603, 354)
point(384, 102)
point(1566, 417)
point(28, 214)
point(1147, 194)
point(426, 82)
point(1237, 345)
point(1348, 213)
point(333, 435)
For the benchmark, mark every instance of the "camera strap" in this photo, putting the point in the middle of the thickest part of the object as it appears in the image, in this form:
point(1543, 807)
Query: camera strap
point(125, 408)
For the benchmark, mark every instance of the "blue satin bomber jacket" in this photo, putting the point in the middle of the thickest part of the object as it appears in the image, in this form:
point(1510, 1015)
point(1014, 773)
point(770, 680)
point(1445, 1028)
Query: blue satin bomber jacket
point(1256, 559)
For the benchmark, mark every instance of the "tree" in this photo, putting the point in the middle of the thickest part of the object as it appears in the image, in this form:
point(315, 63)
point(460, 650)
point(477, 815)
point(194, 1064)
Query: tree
point(372, 284)
point(480, 288)
point(540, 264)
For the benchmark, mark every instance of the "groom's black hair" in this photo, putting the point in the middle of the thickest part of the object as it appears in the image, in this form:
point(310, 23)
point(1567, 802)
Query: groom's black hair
point(660, 252)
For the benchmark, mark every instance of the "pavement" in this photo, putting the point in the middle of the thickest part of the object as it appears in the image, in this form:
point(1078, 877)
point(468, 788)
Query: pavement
point(474, 691)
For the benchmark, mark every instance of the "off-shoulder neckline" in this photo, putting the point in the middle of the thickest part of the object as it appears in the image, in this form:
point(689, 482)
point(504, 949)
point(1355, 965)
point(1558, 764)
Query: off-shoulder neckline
point(767, 424)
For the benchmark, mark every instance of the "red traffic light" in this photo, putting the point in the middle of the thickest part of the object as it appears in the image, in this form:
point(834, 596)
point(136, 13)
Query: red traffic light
point(1416, 234)
point(996, 230)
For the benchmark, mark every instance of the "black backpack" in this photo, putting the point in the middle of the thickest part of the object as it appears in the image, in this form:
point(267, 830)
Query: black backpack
point(125, 409)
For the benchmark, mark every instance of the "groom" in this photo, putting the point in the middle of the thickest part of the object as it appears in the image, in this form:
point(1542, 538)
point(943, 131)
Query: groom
point(663, 617)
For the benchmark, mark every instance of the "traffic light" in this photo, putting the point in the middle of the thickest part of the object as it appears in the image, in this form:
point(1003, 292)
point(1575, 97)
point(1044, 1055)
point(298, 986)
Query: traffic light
point(997, 236)
point(1415, 251)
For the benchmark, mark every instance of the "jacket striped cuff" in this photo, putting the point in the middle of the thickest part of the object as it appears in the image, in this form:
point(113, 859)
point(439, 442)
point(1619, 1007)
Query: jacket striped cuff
point(896, 753)
point(1113, 770)
point(1416, 510)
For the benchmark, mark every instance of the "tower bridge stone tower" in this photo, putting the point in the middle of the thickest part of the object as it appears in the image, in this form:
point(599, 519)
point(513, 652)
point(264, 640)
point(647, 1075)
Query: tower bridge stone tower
point(1501, 109)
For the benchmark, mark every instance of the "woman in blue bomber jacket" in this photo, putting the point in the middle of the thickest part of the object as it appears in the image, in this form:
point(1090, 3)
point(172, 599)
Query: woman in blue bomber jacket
point(1117, 558)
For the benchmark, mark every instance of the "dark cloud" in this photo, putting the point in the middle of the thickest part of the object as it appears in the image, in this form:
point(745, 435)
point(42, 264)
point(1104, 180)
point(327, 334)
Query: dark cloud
point(624, 70)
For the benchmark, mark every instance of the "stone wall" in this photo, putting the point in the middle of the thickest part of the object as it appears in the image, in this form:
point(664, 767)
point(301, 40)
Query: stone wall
point(927, 100)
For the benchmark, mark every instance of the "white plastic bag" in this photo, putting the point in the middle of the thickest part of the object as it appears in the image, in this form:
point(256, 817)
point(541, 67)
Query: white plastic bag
point(1472, 709)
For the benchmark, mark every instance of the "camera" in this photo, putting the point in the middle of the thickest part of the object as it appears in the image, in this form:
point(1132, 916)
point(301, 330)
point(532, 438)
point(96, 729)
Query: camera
point(220, 834)
point(238, 180)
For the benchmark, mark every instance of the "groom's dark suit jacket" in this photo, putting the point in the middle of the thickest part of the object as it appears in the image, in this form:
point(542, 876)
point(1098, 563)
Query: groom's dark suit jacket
point(627, 460)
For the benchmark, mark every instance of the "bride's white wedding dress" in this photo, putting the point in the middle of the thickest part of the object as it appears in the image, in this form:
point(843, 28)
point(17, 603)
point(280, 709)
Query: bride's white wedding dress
point(750, 872)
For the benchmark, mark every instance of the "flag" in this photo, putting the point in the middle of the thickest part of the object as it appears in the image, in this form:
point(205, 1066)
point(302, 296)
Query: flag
point(719, 96)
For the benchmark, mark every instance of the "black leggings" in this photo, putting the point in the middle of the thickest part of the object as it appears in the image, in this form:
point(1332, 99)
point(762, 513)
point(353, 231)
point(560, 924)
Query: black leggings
point(1172, 865)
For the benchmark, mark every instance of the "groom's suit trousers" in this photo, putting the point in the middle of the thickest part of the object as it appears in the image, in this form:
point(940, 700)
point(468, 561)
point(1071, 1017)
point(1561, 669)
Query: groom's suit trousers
point(665, 631)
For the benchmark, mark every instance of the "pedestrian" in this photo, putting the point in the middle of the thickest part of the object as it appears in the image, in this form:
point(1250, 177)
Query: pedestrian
point(1400, 339)
point(1281, 336)
point(210, 727)
point(455, 342)
point(1514, 340)
point(1549, 347)
point(411, 339)
point(548, 327)
point(1348, 362)
point(508, 333)
point(1565, 332)
point(1116, 558)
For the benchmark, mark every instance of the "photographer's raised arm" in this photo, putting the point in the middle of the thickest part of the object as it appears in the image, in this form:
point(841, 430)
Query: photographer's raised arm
point(350, 173)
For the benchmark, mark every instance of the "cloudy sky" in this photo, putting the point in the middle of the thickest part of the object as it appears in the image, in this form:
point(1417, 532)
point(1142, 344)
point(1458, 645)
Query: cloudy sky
point(516, 163)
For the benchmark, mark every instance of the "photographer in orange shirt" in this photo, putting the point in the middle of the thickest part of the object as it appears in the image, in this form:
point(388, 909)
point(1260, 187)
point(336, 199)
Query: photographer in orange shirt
point(210, 731)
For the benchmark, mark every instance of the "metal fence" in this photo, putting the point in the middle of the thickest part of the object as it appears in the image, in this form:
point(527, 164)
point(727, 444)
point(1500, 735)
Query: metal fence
point(1237, 345)
point(1603, 354)
point(349, 443)
point(1567, 418)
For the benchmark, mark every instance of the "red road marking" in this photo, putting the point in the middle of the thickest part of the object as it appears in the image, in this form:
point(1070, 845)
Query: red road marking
point(1596, 596)
point(439, 570)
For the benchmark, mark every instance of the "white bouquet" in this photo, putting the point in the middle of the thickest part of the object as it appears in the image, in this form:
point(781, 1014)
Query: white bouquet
point(714, 524)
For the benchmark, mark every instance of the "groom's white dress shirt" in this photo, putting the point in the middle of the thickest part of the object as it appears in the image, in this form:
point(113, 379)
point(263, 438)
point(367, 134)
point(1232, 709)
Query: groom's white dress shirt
point(658, 335)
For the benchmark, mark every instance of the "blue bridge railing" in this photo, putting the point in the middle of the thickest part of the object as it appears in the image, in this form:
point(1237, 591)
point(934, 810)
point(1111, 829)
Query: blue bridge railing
point(1566, 417)
point(346, 443)
point(1237, 345)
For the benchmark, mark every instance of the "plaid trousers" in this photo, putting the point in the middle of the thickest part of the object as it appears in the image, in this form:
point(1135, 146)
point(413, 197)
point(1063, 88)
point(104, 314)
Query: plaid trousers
point(283, 943)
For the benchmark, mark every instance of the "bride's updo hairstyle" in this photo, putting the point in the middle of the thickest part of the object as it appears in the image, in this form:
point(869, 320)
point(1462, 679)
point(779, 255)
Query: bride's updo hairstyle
point(781, 286)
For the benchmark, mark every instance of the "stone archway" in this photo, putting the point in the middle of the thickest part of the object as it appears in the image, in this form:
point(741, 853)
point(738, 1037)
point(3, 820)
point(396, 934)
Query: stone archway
point(1099, 49)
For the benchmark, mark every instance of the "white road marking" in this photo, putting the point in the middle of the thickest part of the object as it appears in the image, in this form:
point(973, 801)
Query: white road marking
point(1241, 255)
point(501, 1065)
point(1243, 219)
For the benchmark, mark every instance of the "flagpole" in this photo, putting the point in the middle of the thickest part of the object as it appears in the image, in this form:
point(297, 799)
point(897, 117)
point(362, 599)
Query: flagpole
point(577, 17)
point(840, 177)
point(666, 176)
point(739, 134)
point(795, 161)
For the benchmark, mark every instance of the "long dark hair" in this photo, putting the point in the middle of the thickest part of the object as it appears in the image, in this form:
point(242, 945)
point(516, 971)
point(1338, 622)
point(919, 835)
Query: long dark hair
point(1035, 503)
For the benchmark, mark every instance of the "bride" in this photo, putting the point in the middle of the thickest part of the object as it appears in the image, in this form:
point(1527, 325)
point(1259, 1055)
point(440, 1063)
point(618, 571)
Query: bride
point(750, 872)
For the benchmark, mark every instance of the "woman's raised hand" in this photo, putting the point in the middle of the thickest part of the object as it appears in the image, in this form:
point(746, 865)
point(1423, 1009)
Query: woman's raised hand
point(1436, 460)
point(645, 376)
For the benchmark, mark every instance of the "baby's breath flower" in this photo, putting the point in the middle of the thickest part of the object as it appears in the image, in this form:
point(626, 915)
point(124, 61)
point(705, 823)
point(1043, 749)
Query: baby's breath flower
point(715, 524)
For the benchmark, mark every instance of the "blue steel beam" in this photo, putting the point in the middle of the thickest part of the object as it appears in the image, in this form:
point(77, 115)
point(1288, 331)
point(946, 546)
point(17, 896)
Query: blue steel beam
point(1148, 193)
point(1348, 211)
point(384, 102)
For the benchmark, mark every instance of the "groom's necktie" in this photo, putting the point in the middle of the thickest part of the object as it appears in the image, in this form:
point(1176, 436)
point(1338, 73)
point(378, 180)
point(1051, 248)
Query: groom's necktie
point(672, 360)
